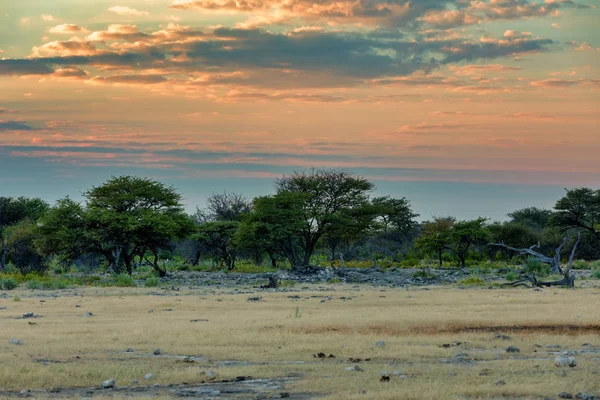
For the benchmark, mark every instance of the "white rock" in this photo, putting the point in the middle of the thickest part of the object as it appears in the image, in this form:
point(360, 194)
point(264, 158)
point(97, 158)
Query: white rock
point(148, 377)
point(110, 383)
point(565, 361)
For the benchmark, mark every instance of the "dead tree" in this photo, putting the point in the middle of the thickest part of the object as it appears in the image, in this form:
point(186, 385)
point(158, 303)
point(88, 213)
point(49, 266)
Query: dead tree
point(568, 279)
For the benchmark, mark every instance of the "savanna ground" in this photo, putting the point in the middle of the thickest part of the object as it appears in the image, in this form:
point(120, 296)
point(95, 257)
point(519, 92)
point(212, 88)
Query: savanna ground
point(224, 336)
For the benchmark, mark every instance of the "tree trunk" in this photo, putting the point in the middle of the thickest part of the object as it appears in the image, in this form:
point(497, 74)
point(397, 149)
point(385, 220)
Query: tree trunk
point(117, 259)
point(2, 256)
point(440, 257)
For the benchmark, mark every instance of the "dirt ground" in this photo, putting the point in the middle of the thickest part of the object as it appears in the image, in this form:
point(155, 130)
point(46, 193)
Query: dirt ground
point(315, 341)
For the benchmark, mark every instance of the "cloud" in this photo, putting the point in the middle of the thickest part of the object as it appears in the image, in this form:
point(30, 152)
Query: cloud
point(67, 29)
point(127, 11)
point(556, 83)
point(391, 13)
point(224, 56)
point(47, 17)
point(14, 126)
point(25, 21)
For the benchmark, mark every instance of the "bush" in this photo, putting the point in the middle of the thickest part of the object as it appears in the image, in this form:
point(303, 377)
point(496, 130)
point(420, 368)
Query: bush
point(152, 281)
point(512, 276)
point(424, 274)
point(8, 284)
point(124, 280)
point(535, 266)
point(472, 281)
point(33, 285)
point(596, 273)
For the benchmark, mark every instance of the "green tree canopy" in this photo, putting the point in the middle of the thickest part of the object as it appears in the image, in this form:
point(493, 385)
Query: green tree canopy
point(328, 193)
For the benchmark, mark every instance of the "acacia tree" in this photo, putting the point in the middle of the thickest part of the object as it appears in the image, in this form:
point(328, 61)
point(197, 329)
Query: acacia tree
point(274, 227)
point(328, 193)
point(457, 237)
point(579, 209)
point(436, 236)
point(123, 218)
point(394, 214)
point(19, 211)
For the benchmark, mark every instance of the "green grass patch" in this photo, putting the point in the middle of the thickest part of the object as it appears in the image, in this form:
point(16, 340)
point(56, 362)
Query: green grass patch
point(124, 280)
point(152, 281)
point(472, 281)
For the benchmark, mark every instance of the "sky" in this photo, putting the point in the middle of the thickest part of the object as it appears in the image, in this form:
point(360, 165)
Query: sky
point(465, 107)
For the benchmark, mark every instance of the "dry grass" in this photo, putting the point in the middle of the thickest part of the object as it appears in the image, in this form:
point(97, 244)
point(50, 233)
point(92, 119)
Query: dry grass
point(278, 331)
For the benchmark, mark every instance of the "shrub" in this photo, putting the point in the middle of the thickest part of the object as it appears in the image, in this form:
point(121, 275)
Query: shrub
point(512, 276)
point(152, 281)
point(596, 273)
point(34, 284)
point(124, 280)
point(8, 284)
point(580, 264)
point(472, 281)
point(535, 266)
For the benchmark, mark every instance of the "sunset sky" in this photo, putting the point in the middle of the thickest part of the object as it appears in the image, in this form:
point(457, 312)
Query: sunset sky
point(466, 107)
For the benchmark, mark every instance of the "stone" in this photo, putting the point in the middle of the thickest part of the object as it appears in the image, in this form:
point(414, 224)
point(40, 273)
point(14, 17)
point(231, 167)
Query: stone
point(108, 384)
point(208, 392)
point(134, 381)
point(356, 368)
point(211, 374)
point(585, 396)
point(24, 393)
point(553, 346)
point(88, 314)
point(129, 350)
point(156, 352)
point(499, 336)
point(28, 315)
point(381, 343)
point(500, 383)
point(148, 377)
point(398, 373)
point(15, 341)
point(565, 395)
point(565, 361)
point(512, 349)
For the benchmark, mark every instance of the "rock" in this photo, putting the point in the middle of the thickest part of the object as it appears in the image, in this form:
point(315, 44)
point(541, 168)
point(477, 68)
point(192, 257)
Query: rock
point(3, 308)
point(129, 350)
point(461, 358)
point(77, 305)
point(189, 359)
point(134, 381)
point(254, 299)
point(381, 343)
point(565, 395)
point(24, 393)
point(499, 336)
point(28, 315)
point(108, 384)
point(537, 346)
point(512, 349)
point(356, 368)
point(565, 361)
point(452, 373)
point(385, 372)
point(17, 342)
point(384, 378)
point(156, 352)
point(500, 383)
point(553, 346)
point(88, 314)
point(585, 396)
point(211, 374)
point(208, 392)
point(398, 373)
point(148, 377)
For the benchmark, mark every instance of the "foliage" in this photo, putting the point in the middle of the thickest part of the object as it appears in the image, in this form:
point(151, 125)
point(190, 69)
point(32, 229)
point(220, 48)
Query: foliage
point(8, 284)
point(124, 280)
point(533, 218)
point(327, 194)
point(394, 214)
point(436, 236)
point(472, 281)
point(217, 238)
point(152, 281)
point(512, 276)
point(17, 216)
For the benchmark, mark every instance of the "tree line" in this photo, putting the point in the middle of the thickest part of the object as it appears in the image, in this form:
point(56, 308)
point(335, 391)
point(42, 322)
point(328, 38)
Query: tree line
point(319, 213)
